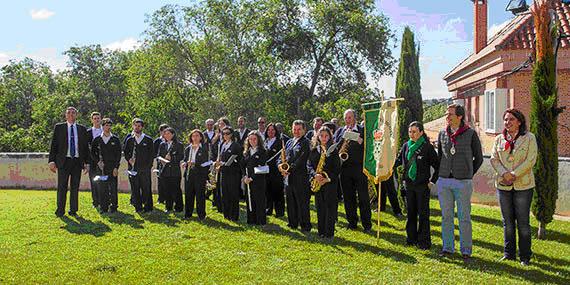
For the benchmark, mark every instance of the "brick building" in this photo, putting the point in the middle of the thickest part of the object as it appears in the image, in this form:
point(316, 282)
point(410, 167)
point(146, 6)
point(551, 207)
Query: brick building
point(485, 82)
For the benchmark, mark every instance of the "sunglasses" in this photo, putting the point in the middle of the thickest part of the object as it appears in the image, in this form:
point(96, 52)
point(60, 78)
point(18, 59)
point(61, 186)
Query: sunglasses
point(226, 133)
point(261, 122)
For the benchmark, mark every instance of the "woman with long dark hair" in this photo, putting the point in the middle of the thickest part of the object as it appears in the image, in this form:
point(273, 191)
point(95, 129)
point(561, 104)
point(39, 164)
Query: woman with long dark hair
point(170, 153)
point(325, 178)
point(275, 189)
point(418, 156)
point(513, 156)
point(195, 174)
point(228, 164)
point(254, 156)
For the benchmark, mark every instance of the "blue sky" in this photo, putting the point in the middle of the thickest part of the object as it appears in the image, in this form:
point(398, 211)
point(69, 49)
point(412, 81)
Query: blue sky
point(43, 30)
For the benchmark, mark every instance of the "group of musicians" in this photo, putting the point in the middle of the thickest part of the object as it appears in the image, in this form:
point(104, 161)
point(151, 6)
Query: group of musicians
point(263, 166)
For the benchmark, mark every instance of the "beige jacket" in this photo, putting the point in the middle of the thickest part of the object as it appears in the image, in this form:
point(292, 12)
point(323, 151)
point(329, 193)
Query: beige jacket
point(524, 158)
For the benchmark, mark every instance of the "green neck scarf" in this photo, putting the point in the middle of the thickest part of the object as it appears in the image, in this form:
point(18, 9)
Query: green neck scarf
point(412, 147)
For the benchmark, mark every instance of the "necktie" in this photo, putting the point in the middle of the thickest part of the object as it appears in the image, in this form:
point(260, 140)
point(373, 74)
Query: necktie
point(72, 142)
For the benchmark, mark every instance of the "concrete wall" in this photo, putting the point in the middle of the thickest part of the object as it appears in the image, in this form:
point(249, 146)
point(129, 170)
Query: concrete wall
point(30, 171)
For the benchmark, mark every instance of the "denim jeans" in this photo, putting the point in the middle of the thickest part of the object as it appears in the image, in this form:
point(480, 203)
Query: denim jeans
point(515, 209)
point(449, 192)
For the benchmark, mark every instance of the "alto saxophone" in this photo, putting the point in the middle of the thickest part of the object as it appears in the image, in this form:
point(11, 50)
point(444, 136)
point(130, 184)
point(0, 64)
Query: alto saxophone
point(315, 186)
point(283, 166)
point(343, 151)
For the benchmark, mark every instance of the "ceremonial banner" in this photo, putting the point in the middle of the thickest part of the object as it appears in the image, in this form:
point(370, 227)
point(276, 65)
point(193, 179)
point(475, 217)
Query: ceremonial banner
point(380, 139)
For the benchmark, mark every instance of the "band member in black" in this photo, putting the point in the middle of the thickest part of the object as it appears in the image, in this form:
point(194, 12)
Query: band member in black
point(195, 174)
point(296, 178)
point(106, 155)
point(281, 129)
point(254, 155)
point(209, 132)
point(69, 153)
point(326, 178)
point(353, 181)
point(214, 156)
point(261, 121)
point(156, 143)
point(92, 133)
point(170, 153)
point(275, 190)
point(139, 154)
point(241, 131)
point(229, 175)
point(317, 123)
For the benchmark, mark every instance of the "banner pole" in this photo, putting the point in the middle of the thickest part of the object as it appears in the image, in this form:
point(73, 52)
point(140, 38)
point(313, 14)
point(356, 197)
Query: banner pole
point(378, 215)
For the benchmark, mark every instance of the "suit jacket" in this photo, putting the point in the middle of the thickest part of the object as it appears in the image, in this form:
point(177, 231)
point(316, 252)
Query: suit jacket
point(331, 167)
point(171, 169)
point(249, 162)
point(241, 139)
point(110, 152)
point(233, 149)
point(297, 155)
point(59, 145)
point(201, 157)
point(144, 154)
point(272, 151)
point(355, 150)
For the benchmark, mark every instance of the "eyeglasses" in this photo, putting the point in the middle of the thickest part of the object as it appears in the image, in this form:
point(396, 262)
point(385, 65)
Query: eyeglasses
point(226, 133)
point(262, 122)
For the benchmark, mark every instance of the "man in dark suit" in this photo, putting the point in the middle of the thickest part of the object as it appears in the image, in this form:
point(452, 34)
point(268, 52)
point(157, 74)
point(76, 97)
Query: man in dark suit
point(93, 132)
point(241, 131)
point(353, 181)
point(317, 123)
point(69, 153)
point(298, 189)
point(139, 153)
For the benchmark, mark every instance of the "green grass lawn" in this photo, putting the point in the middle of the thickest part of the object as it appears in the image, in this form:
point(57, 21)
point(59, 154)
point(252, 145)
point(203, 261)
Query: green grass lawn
point(125, 247)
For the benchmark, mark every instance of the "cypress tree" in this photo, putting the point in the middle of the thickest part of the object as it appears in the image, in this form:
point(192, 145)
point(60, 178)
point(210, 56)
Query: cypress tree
point(408, 85)
point(543, 119)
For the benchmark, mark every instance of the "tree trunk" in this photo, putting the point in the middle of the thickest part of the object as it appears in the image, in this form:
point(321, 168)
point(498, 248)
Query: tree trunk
point(541, 230)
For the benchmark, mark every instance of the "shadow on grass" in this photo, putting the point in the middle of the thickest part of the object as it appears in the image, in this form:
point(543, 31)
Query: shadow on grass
point(539, 260)
point(121, 218)
point(160, 217)
point(338, 242)
point(82, 226)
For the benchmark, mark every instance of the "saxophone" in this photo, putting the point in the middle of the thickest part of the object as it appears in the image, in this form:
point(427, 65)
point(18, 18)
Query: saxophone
point(315, 186)
point(283, 166)
point(343, 151)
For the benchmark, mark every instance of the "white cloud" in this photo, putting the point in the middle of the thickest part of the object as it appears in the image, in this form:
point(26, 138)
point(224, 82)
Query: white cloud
point(41, 14)
point(50, 56)
point(497, 27)
point(127, 44)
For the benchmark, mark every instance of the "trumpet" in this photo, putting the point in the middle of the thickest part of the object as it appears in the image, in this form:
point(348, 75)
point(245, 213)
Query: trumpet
point(315, 185)
point(283, 166)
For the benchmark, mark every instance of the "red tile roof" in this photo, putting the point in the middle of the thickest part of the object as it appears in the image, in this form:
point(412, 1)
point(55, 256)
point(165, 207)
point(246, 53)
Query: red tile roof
point(517, 34)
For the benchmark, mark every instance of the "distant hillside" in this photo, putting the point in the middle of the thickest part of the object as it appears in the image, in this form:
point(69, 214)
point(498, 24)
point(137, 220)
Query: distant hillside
point(435, 109)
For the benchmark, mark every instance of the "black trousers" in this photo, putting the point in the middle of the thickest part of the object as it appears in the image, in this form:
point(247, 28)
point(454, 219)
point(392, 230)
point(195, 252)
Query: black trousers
point(326, 201)
point(161, 191)
point(68, 174)
point(172, 193)
point(275, 195)
point(94, 184)
point(217, 201)
point(298, 201)
point(389, 190)
point(355, 191)
point(257, 214)
point(108, 195)
point(195, 191)
point(417, 226)
point(229, 192)
point(141, 194)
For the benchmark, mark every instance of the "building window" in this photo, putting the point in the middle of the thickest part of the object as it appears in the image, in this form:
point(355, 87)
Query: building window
point(495, 105)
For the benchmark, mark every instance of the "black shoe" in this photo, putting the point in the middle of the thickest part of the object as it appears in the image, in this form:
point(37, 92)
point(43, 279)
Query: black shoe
point(306, 230)
point(292, 227)
point(444, 253)
point(399, 216)
point(139, 210)
point(525, 262)
point(367, 229)
point(59, 215)
point(409, 243)
point(73, 214)
point(351, 227)
point(466, 257)
point(113, 211)
point(424, 246)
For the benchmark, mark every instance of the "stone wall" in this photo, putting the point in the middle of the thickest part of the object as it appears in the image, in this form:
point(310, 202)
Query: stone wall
point(30, 171)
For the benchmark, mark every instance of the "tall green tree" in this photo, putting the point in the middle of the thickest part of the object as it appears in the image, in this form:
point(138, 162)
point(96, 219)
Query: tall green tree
point(544, 119)
point(408, 84)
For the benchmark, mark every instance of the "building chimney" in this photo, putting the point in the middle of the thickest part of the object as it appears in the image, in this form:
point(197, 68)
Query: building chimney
point(480, 27)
